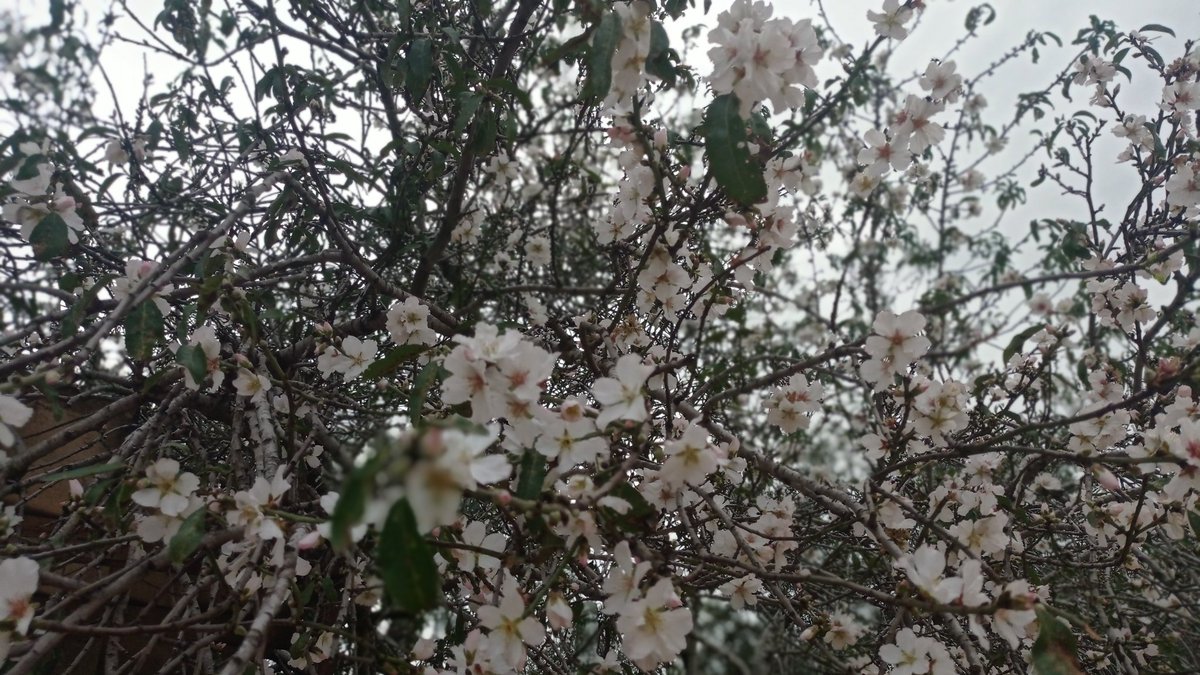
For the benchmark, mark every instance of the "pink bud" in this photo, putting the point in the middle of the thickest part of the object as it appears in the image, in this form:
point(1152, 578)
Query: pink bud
point(64, 203)
point(504, 497)
point(1106, 478)
point(808, 634)
point(309, 541)
point(685, 172)
point(76, 488)
point(242, 360)
point(146, 268)
point(423, 649)
point(660, 139)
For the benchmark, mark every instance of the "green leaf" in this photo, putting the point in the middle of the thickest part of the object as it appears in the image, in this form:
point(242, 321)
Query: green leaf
point(95, 493)
point(468, 104)
point(192, 357)
point(82, 306)
point(188, 538)
point(676, 7)
point(1194, 521)
point(50, 238)
point(57, 14)
point(416, 399)
point(1018, 340)
point(143, 331)
point(600, 55)
point(1157, 28)
point(392, 361)
point(406, 565)
point(485, 134)
point(533, 473)
point(420, 68)
point(351, 505)
point(658, 61)
point(728, 156)
point(80, 472)
point(1054, 650)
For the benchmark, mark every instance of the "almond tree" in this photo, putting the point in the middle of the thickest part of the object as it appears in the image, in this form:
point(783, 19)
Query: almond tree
point(445, 337)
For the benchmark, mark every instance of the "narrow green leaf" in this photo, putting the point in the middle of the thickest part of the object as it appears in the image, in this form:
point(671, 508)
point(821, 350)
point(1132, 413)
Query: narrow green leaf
point(1018, 340)
point(728, 156)
point(420, 67)
point(468, 104)
point(82, 307)
point(600, 55)
point(188, 538)
point(351, 506)
point(485, 136)
point(143, 331)
point(1054, 651)
point(1157, 28)
point(80, 472)
point(96, 492)
point(57, 14)
point(533, 473)
point(658, 61)
point(406, 565)
point(394, 359)
point(192, 357)
point(50, 238)
point(420, 388)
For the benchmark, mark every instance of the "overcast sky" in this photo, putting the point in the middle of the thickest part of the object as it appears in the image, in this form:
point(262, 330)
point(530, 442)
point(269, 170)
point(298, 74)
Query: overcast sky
point(940, 25)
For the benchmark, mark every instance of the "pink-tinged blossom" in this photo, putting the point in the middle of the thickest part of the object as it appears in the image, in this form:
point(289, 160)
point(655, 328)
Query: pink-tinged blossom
point(621, 396)
point(166, 488)
point(894, 347)
point(941, 81)
point(500, 374)
point(162, 527)
point(915, 122)
point(624, 577)
point(205, 337)
point(136, 273)
point(509, 629)
point(476, 536)
point(13, 415)
point(558, 613)
point(1091, 69)
point(1181, 97)
point(1183, 187)
point(742, 591)
point(844, 631)
point(249, 504)
point(758, 58)
point(449, 463)
point(883, 153)
point(408, 323)
point(250, 384)
point(360, 354)
point(18, 582)
point(890, 22)
point(654, 629)
point(789, 407)
point(1016, 612)
point(690, 458)
point(908, 655)
point(925, 568)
